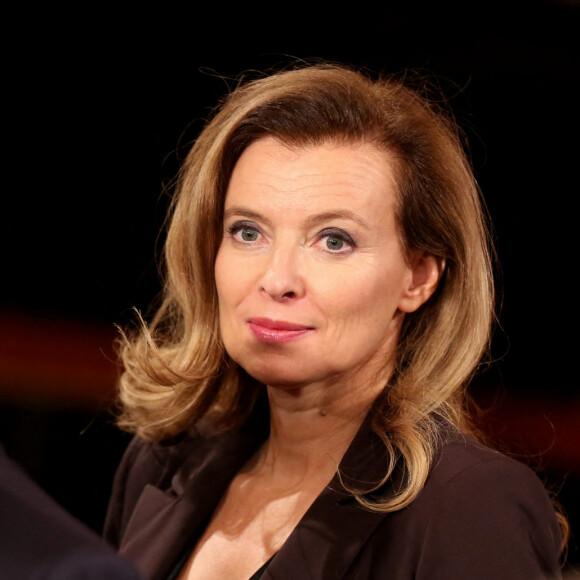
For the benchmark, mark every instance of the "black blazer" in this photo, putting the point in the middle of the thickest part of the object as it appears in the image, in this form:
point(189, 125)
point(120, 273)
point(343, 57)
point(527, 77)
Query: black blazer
point(40, 540)
point(479, 516)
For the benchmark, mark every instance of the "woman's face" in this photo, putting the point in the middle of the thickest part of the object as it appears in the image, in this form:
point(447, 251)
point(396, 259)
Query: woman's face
point(311, 276)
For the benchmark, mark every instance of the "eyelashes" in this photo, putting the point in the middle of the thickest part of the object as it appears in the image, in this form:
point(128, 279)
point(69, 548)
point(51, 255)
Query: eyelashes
point(332, 240)
point(247, 231)
point(336, 238)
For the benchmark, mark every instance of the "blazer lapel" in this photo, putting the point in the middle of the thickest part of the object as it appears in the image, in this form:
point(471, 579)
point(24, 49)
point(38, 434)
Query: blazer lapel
point(325, 543)
point(158, 531)
point(167, 522)
point(335, 528)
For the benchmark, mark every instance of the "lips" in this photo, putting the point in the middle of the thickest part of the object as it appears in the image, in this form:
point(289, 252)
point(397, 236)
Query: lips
point(277, 331)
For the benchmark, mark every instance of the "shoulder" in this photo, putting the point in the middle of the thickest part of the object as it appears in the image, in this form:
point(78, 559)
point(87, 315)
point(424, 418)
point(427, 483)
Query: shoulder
point(143, 464)
point(158, 462)
point(199, 455)
point(466, 464)
point(487, 483)
point(481, 515)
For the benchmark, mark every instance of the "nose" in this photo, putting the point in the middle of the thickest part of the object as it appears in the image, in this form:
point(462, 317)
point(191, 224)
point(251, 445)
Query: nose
point(282, 279)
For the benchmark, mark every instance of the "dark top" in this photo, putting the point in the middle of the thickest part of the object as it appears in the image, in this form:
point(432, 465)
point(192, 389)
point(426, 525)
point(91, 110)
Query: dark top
point(174, 574)
point(479, 516)
point(259, 573)
point(40, 540)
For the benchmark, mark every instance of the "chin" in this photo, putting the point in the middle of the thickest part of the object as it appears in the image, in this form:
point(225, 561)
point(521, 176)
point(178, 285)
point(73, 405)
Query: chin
point(284, 374)
point(277, 378)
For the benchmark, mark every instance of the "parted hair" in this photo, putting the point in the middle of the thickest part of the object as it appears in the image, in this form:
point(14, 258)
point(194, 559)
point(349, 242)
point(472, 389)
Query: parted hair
point(176, 370)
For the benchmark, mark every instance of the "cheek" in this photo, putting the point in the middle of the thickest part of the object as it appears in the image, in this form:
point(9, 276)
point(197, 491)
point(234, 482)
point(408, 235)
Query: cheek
point(225, 280)
point(227, 276)
point(366, 294)
point(235, 281)
point(226, 286)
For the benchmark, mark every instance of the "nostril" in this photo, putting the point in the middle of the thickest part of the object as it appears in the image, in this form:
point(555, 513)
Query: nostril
point(280, 296)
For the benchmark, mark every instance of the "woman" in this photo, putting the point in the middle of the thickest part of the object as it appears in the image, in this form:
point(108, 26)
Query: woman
point(298, 399)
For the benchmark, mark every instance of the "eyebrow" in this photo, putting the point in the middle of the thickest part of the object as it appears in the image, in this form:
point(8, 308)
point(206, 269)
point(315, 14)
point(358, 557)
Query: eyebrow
point(245, 212)
point(312, 220)
point(343, 214)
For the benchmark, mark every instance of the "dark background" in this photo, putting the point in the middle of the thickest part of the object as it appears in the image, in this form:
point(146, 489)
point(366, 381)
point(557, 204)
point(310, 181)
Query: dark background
point(99, 110)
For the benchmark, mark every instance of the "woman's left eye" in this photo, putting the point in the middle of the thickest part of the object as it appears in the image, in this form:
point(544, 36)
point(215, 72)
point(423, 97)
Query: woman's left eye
point(336, 241)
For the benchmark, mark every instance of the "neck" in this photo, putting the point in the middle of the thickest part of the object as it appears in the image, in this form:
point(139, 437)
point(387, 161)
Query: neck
point(312, 426)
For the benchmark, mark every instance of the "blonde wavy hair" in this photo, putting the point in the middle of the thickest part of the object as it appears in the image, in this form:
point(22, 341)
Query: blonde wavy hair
point(176, 370)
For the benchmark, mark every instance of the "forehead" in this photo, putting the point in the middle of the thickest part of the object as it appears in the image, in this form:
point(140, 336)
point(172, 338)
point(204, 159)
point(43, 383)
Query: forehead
point(271, 173)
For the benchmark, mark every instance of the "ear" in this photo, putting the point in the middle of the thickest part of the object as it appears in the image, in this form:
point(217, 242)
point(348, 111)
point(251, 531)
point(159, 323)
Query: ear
point(425, 271)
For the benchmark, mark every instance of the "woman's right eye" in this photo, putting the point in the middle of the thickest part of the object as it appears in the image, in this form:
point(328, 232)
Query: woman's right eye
point(247, 234)
point(244, 233)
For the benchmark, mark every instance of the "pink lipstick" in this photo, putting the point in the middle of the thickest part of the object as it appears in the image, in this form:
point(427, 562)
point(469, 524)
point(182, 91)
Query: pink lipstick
point(268, 330)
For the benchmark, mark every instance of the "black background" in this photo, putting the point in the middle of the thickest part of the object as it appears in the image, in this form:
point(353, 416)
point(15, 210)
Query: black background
point(99, 110)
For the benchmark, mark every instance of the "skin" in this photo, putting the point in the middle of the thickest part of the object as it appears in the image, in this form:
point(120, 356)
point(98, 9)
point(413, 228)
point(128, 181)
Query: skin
point(310, 238)
point(353, 297)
